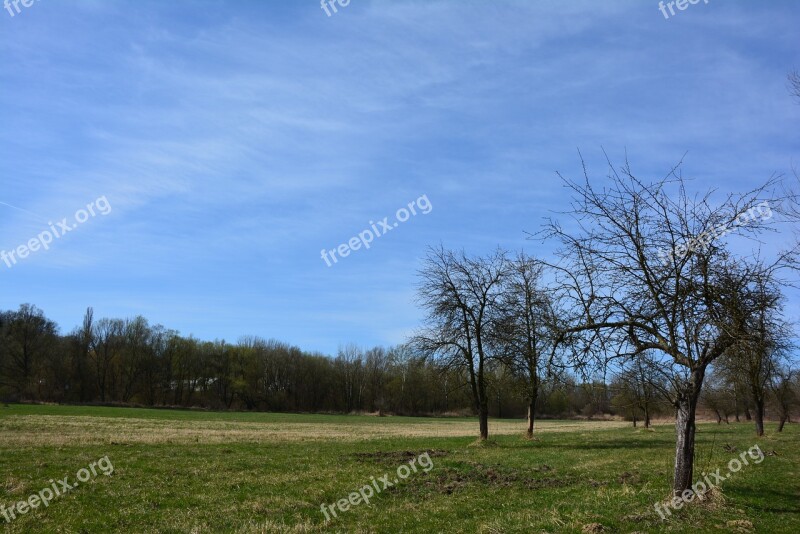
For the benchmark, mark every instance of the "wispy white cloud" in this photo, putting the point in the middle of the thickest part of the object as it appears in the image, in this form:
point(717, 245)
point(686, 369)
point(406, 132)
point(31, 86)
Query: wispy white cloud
point(236, 141)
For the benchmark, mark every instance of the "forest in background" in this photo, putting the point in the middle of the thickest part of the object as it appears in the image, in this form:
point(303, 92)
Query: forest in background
point(131, 362)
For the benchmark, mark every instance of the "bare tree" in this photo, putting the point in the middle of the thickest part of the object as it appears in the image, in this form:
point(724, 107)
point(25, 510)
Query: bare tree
point(754, 360)
point(83, 337)
point(377, 362)
point(645, 267)
point(735, 388)
point(136, 334)
point(527, 327)
point(785, 392)
point(462, 296)
point(107, 343)
point(718, 397)
point(27, 337)
point(641, 388)
point(350, 362)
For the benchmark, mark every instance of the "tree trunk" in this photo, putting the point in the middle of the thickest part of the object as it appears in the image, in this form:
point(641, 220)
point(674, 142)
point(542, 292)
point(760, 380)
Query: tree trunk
point(483, 397)
point(759, 417)
point(747, 413)
point(780, 425)
point(685, 432)
point(647, 416)
point(481, 403)
point(499, 405)
point(483, 416)
point(531, 417)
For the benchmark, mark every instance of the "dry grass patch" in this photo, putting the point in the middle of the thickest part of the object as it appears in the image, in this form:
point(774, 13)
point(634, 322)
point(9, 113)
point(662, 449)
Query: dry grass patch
point(51, 430)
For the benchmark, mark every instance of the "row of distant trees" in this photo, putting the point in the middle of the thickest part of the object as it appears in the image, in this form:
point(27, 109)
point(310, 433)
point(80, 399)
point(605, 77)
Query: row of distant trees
point(130, 361)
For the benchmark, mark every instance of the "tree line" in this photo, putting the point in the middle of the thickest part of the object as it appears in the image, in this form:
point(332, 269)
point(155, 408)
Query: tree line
point(132, 362)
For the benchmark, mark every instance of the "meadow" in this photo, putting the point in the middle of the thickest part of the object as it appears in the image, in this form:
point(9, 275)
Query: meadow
point(198, 472)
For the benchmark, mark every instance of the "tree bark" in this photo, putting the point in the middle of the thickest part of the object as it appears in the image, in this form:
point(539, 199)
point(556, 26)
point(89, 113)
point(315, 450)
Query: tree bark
point(483, 416)
point(759, 417)
point(685, 432)
point(780, 425)
point(531, 417)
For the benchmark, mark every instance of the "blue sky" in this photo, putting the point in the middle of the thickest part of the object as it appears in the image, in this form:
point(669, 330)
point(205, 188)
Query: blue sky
point(235, 140)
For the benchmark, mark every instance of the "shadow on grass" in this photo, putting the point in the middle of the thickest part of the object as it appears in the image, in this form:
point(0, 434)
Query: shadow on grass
point(615, 444)
point(753, 494)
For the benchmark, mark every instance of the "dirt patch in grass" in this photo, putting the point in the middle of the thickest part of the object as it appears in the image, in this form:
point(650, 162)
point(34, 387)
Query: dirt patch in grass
point(630, 478)
point(448, 480)
point(397, 456)
point(451, 479)
point(14, 486)
point(637, 518)
point(739, 525)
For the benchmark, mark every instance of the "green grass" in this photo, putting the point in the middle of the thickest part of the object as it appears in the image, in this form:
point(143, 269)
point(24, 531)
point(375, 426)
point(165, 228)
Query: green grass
point(168, 478)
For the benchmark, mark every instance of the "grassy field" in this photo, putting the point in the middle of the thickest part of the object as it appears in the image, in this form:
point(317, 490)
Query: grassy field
point(186, 471)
